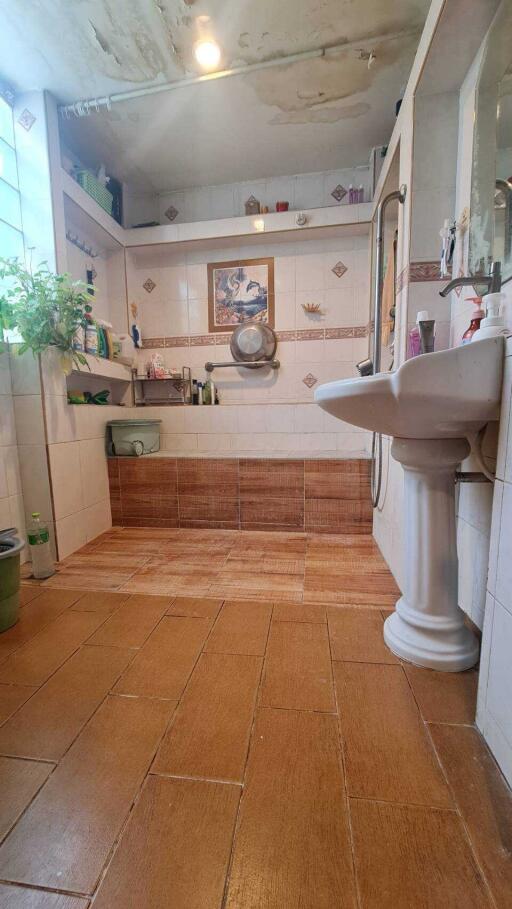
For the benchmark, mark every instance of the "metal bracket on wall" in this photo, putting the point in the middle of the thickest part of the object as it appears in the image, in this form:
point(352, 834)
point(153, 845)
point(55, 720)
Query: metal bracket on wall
point(258, 364)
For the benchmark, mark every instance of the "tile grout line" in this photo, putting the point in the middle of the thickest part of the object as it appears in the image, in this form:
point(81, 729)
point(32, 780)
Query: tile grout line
point(237, 823)
point(342, 760)
point(451, 791)
point(56, 764)
point(148, 772)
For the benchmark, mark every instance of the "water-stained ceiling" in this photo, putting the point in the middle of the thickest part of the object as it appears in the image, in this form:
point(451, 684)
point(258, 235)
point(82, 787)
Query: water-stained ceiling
point(315, 114)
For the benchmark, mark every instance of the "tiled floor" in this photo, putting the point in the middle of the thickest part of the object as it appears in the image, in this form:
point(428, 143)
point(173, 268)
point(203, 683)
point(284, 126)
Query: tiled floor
point(298, 567)
point(226, 752)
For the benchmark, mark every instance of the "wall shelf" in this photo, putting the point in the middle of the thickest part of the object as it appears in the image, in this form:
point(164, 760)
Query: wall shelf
point(106, 369)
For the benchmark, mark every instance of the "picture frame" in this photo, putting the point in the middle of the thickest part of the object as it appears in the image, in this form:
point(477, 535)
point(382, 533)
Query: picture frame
point(239, 292)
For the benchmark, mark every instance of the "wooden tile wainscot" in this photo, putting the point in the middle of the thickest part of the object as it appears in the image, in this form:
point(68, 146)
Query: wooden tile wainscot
point(321, 496)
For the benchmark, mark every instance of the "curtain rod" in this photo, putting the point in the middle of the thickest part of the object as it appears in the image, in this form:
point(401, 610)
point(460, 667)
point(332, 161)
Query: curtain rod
point(84, 107)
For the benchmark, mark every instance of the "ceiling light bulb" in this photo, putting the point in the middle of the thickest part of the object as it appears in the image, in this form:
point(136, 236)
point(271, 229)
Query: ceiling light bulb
point(207, 54)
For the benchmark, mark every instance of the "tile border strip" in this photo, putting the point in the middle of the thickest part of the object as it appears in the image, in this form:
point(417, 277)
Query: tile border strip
point(302, 334)
point(416, 272)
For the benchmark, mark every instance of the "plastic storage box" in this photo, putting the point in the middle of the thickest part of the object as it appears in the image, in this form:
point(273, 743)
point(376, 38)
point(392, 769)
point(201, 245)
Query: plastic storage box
point(133, 438)
point(95, 189)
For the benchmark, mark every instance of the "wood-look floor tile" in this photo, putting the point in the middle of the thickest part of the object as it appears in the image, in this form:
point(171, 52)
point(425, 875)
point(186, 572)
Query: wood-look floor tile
point(388, 755)
point(27, 594)
point(444, 697)
point(257, 585)
point(46, 726)
point(175, 849)
point(163, 665)
point(14, 897)
point(256, 546)
point(20, 782)
point(104, 601)
point(210, 731)
point(134, 621)
point(195, 607)
point(299, 612)
point(484, 800)
point(35, 616)
point(36, 660)
point(292, 845)
point(12, 697)
point(358, 635)
point(269, 564)
point(409, 857)
point(65, 836)
point(241, 627)
point(156, 580)
point(297, 671)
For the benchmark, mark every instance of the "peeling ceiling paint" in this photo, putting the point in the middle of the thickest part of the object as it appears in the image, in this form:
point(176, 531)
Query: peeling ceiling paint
point(329, 110)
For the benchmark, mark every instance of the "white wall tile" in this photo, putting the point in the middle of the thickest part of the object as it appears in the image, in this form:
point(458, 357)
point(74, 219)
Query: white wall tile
point(499, 687)
point(61, 419)
point(93, 471)
point(504, 460)
point(97, 519)
point(28, 413)
point(65, 470)
point(504, 567)
point(25, 373)
point(177, 442)
point(495, 533)
point(71, 533)
point(35, 480)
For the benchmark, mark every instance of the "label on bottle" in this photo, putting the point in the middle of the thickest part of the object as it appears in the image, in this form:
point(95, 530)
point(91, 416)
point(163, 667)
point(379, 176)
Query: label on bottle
point(35, 539)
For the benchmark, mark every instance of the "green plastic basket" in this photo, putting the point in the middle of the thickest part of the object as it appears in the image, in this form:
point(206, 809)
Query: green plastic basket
point(95, 189)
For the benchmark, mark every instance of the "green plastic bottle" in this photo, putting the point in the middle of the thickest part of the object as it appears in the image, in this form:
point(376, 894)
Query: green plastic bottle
point(40, 549)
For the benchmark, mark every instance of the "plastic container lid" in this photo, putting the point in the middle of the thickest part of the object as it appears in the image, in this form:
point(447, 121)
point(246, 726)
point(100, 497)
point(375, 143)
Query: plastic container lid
point(422, 316)
point(133, 422)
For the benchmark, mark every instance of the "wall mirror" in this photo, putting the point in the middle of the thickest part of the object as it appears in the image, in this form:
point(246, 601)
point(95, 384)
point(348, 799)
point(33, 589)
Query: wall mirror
point(491, 179)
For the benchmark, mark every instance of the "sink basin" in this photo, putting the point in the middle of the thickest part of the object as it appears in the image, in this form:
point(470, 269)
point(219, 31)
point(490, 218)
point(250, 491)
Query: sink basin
point(448, 394)
point(430, 406)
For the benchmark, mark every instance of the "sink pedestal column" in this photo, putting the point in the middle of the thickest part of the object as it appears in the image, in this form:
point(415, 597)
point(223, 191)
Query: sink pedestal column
point(428, 627)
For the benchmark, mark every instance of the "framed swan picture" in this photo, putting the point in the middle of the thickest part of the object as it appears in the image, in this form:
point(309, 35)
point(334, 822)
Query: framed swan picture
point(240, 291)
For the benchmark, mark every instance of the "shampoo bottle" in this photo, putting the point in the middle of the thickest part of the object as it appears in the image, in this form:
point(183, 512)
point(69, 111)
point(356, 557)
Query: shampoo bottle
point(493, 325)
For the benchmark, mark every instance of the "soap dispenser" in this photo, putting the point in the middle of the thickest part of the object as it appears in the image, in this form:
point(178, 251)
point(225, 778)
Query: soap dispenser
point(476, 319)
point(493, 325)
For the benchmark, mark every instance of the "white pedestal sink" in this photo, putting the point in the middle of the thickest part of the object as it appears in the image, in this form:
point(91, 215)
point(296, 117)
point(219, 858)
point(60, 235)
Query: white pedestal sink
point(429, 406)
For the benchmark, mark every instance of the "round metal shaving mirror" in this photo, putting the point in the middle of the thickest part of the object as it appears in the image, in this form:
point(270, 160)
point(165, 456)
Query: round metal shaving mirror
point(253, 342)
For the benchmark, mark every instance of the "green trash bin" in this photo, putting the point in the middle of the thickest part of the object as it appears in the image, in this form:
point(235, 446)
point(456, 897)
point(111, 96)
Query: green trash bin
point(10, 549)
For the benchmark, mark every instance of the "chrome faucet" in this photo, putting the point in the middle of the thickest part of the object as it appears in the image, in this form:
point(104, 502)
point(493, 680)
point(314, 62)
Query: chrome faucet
point(492, 281)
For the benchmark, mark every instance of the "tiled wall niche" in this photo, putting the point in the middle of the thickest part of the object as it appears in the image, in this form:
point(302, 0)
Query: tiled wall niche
point(248, 494)
point(173, 314)
point(202, 203)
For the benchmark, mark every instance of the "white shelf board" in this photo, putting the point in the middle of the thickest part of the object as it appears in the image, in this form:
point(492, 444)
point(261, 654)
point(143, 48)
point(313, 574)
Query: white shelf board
point(83, 214)
point(273, 225)
point(106, 369)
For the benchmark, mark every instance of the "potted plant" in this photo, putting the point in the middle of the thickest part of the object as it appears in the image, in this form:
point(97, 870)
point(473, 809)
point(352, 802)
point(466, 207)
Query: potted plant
point(46, 309)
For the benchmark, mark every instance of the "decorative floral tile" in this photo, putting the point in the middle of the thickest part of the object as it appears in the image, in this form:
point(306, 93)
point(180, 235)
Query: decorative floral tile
point(26, 119)
point(311, 334)
point(171, 213)
point(339, 333)
point(179, 341)
point(339, 192)
point(149, 285)
point(339, 269)
point(152, 343)
point(310, 380)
